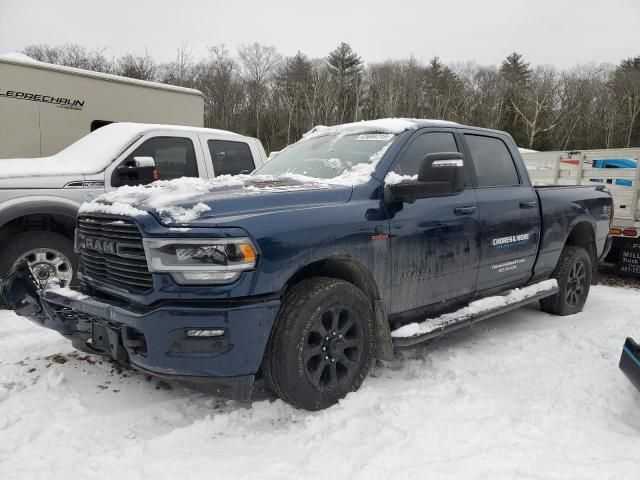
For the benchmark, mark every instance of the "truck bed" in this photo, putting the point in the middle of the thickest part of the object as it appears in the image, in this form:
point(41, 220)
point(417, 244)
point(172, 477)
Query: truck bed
point(562, 208)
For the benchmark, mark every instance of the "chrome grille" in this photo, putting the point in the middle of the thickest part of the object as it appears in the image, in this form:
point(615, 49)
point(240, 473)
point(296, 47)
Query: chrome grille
point(112, 253)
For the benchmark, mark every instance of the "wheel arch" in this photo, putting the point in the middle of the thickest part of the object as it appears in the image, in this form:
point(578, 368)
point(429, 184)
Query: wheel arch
point(40, 213)
point(354, 272)
point(582, 234)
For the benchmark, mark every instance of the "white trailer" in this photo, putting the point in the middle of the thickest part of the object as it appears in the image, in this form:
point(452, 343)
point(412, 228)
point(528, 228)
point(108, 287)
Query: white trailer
point(44, 107)
point(606, 166)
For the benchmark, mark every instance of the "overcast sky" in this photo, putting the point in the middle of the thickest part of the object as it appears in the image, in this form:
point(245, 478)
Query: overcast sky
point(559, 32)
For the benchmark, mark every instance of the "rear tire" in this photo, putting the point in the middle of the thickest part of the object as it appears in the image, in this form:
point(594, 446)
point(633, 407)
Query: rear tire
point(573, 274)
point(322, 344)
point(48, 254)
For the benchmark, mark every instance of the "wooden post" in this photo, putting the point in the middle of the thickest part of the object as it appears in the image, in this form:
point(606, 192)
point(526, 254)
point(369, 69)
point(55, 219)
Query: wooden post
point(636, 188)
point(583, 159)
point(556, 170)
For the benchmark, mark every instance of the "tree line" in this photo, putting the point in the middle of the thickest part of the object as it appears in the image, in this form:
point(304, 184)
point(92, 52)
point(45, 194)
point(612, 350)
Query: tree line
point(259, 92)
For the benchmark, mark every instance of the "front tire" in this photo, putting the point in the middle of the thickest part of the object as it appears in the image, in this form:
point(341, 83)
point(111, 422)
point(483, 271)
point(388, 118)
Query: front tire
point(322, 344)
point(573, 274)
point(48, 255)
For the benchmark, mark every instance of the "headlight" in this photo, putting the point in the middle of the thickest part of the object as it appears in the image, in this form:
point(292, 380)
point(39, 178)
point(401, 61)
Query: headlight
point(193, 261)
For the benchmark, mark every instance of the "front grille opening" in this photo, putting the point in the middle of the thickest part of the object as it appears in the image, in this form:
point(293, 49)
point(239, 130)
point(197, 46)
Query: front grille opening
point(113, 253)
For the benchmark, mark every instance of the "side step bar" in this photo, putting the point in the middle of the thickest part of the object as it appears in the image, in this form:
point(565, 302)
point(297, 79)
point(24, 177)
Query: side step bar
point(467, 321)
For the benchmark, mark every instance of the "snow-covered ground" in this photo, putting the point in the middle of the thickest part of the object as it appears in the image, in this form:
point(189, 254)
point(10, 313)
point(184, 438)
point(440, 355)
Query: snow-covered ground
point(522, 396)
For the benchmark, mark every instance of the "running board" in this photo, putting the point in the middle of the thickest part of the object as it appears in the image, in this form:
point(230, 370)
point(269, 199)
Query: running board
point(464, 317)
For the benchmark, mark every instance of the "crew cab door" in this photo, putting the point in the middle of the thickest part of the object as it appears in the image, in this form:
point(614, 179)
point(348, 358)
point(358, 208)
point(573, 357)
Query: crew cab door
point(229, 155)
point(434, 241)
point(509, 212)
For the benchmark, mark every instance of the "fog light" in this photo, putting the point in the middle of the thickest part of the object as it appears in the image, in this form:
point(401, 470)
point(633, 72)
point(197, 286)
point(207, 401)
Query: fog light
point(205, 332)
point(204, 277)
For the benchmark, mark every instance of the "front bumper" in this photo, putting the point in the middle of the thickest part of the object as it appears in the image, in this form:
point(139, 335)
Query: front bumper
point(155, 340)
point(630, 362)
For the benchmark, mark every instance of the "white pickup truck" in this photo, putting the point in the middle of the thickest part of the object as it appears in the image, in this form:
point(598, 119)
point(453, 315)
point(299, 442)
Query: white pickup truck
point(40, 197)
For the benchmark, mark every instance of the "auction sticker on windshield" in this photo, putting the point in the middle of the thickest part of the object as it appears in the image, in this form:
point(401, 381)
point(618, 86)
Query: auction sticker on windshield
point(376, 137)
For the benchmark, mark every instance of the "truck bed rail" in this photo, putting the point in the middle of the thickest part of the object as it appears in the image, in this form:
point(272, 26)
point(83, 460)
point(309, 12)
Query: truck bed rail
point(576, 168)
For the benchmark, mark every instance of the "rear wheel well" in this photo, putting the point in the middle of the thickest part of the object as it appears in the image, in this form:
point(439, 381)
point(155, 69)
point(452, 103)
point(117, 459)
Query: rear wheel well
point(51, 222)
point(583, 236)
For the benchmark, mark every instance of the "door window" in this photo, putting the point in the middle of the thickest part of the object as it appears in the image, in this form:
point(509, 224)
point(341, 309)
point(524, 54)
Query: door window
point(430, 142)
point(230, 158)
point(492, 161)
point(175, 157)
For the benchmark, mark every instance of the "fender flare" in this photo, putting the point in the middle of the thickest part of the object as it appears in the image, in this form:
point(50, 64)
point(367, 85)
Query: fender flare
point(36, 204)
point(351, 270)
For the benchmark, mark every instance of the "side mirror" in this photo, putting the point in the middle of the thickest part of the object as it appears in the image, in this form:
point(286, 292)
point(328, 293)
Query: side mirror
point(140, 171)
point(440, 175)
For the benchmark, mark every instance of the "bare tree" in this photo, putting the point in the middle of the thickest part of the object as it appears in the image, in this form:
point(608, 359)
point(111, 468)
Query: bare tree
point(142, 67)
point(181, 71)
point(537, 105)
point(259, 61)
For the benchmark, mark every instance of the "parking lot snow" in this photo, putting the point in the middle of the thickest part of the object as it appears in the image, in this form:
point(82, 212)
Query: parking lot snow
point(524, 395)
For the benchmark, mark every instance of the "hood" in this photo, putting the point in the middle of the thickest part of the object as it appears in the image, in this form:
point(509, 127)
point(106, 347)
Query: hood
point(198, 202)
point(90, 154)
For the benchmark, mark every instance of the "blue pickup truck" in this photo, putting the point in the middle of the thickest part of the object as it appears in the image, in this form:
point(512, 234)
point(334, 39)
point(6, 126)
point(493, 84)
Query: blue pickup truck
point(303, 272)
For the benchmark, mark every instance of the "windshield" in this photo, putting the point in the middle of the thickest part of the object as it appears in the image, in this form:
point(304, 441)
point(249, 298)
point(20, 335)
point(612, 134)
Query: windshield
point(331, 157)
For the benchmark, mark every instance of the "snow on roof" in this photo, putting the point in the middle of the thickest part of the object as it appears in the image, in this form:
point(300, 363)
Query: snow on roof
point(92, 153)
point(18, 57)
point(388, 125)
point(21, 59)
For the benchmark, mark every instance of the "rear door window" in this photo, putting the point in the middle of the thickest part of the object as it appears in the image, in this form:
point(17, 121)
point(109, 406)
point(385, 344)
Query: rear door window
point(492, 161)
point(230, 158)
point(175, 157)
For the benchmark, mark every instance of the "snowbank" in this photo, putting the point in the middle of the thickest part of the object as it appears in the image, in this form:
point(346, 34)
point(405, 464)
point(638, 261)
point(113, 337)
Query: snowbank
point(524, 395)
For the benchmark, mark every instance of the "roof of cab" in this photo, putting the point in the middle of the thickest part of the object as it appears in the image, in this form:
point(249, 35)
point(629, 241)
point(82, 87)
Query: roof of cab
point(148, 127)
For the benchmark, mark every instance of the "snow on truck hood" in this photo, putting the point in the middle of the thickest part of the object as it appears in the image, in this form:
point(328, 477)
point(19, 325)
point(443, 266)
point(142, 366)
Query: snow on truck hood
point(185, 200)
point(91, 154)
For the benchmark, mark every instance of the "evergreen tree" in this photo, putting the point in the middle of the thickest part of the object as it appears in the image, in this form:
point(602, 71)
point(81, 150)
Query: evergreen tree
point(515, 71)
point(346, 69)
point(516, 74)
point(626, 85)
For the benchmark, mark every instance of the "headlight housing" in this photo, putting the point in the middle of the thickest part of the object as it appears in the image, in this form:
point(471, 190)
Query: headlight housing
point(201, 260)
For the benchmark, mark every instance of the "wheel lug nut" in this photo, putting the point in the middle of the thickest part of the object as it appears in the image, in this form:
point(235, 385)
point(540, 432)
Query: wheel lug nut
point(334, 333)
point(324, 349)
point(340, 336)
point(326, 358)
point(327, 338)
point(333, 360)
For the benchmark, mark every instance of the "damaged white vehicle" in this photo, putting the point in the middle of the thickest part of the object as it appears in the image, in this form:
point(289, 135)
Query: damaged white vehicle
point(40, 197)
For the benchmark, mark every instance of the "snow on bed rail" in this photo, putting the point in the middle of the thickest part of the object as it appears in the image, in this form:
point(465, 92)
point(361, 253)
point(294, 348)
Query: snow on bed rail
point(474, 308)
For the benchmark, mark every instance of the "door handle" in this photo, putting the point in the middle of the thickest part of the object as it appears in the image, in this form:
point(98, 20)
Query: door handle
point(532, 204)
point(465, 210)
